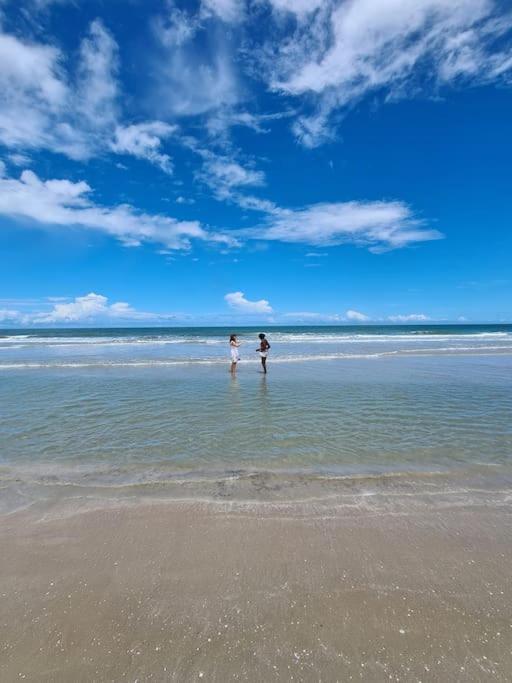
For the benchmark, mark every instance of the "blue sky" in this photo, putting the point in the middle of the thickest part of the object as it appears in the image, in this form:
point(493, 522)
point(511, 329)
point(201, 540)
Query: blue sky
point(279, 161)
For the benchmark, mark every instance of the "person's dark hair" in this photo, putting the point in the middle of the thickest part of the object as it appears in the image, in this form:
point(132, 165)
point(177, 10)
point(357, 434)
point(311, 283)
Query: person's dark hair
point(232, 337)
point(261, 335)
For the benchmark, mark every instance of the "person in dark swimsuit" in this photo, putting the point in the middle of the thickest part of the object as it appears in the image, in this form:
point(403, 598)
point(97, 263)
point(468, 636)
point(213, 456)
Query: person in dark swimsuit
point(263, 350)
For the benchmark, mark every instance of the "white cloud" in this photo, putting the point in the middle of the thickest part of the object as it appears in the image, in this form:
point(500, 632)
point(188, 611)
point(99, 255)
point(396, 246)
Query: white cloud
point(238, 301)
point(9, 316)
point(143, 141)
point(91, 306)
point(97, 89)
point(83, 309)
point(230, 11)
point(223, 174)
point(311, 316)
point(297, 7)
point(356, 316)
point(395, 47)
point(33, 88)
point(189, 78)
point(64, 203)
point(44, 107)
point(411, 317)
point(19, 159)
point(253, 204)
point(378, 225)
point(222, 120)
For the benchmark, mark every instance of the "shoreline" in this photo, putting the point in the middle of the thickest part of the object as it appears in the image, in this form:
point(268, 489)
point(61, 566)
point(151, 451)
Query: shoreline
point(472, 485)
point(222, 591)
point(452, 353)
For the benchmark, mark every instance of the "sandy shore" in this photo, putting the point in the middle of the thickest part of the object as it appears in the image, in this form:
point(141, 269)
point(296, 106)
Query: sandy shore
point(185, 591)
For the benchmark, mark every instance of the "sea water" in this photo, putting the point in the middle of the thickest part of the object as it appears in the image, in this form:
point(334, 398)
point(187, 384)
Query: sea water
point(115, 410)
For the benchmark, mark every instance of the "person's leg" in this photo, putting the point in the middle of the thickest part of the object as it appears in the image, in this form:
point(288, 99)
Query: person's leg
point(264, 363)
point(233, 367)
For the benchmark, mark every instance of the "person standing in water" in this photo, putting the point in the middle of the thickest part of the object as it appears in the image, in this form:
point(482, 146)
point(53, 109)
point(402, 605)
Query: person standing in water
point(235, 356)
point(263, 350)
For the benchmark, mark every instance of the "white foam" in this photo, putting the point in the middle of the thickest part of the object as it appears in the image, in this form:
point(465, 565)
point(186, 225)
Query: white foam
point(315, 337)
point(454, 350)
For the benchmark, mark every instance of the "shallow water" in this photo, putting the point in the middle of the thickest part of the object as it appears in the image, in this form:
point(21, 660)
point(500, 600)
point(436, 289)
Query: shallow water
point(95, 413)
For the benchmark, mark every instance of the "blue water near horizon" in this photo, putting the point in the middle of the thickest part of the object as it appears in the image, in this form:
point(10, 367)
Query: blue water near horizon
point(136, 346)
point(149, 408)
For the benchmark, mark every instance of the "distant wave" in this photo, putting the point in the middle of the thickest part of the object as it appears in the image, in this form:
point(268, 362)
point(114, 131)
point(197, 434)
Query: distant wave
point(414, 337)
point(452, 350)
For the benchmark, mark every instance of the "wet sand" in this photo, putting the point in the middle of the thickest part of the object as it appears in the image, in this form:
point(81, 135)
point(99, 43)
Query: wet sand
point(185, 591)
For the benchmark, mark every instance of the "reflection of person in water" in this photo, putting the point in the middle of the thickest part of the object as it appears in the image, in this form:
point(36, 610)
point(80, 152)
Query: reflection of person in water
point(263, 350)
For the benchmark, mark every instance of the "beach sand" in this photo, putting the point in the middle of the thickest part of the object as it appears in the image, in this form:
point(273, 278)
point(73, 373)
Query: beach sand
point(186, 591)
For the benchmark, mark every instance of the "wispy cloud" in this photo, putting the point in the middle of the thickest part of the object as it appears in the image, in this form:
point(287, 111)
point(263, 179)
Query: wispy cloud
point(409, 318)
point(229, 11)
point(299, 8)
point(143, 141)
point(10, 316)
point(238, 301)
point(312, 317)
point(220, 122)
point(189, 78)
point(76, 113)
point(378, 225)
point(224, 175)
point(348, 50)
point(46, 109)
point(65, 203)
point(97, 88)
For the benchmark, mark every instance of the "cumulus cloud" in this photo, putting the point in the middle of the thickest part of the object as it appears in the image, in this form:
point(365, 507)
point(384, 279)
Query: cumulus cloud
point(378, 225)
point(238, 301)
point(92, 307)
point(356, 316)
point(89, 308)
point(410, 318)
point(395, 47)
point(65, 203)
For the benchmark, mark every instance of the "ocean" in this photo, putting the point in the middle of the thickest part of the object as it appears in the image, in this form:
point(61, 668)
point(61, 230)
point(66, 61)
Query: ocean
point(358, 410)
